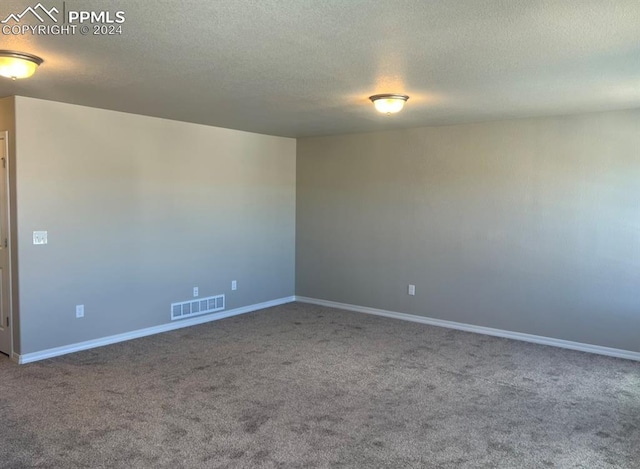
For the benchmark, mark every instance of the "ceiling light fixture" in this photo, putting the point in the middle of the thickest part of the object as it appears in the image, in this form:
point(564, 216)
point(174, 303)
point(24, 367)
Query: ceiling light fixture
point(16, 65)
point(389, 103)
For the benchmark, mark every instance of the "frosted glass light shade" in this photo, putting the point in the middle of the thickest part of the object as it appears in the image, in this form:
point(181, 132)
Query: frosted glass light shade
point(17, 65)
point(389, 103)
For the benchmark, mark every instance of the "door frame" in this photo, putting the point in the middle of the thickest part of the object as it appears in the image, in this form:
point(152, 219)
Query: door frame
point(4, 135)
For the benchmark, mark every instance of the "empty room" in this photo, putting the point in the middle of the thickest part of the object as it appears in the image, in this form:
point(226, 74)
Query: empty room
point(320, 234)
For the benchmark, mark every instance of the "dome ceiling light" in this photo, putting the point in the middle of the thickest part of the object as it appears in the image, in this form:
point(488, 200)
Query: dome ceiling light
point(17, 65)
point(389, 103)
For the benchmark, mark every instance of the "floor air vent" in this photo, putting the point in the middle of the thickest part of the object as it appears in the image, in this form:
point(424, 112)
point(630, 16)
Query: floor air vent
point(187, 309)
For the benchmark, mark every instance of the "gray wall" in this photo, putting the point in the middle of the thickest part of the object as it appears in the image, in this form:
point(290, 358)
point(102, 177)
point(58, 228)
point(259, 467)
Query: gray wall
point(526, 225)
point(139, 211)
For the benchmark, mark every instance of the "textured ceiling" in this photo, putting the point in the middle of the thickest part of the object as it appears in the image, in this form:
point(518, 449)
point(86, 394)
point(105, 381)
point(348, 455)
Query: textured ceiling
point(307, 67)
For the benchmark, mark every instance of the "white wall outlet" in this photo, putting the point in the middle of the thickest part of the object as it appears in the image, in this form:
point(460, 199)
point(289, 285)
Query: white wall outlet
point(195, 292)
point(234, 284)
point(412, 290)
point(39, 237)
point(79, 311)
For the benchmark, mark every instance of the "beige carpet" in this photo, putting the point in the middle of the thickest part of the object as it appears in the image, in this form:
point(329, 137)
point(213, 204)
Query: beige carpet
point(301, 386)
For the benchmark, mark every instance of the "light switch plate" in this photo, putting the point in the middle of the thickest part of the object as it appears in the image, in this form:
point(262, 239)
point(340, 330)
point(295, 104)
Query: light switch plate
point(39, 237)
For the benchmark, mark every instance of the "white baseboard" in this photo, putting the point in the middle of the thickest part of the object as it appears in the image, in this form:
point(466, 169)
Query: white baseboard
point(536, 339)
point(56, 352)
